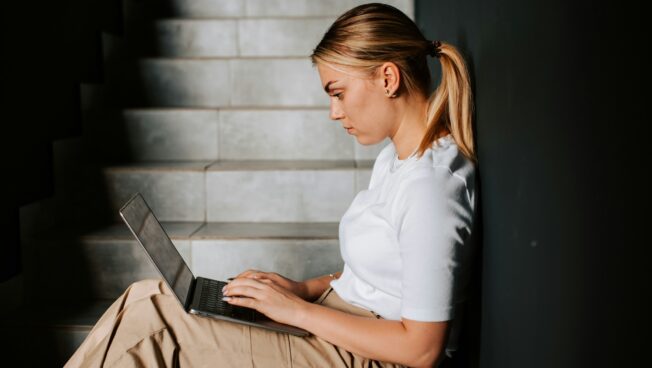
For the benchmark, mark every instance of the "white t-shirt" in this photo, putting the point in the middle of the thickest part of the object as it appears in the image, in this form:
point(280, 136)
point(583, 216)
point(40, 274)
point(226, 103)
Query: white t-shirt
point(405, 240)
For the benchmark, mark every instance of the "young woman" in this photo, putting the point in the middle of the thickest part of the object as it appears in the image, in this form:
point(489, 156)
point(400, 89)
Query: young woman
point(406, 240)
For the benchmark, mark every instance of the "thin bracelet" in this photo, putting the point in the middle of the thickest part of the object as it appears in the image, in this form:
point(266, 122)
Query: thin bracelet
point(333, 276)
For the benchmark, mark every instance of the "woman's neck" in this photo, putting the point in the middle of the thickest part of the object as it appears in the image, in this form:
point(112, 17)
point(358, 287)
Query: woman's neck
point(412, 126)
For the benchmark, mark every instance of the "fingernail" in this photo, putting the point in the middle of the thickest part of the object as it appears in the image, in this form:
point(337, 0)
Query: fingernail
point(224, 288)
point(226, 298)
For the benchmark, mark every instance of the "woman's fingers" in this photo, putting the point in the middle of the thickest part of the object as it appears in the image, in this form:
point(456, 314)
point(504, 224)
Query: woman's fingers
point(248, 292)
point(251, 288)
point(237, 285)
point(257, 274)
point(243, 302)
point(244, 291)
point(265, 296)
point(247, 273)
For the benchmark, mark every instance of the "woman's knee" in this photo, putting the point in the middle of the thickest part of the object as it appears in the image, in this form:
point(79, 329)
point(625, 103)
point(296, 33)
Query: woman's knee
point(144, 289)
point(146, 284)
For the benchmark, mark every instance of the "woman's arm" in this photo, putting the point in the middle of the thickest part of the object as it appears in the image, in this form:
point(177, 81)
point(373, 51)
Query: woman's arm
point(315, 287)
point(407, 342)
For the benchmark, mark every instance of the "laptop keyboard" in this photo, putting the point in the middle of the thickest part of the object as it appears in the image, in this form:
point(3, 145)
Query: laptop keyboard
point(211, 301)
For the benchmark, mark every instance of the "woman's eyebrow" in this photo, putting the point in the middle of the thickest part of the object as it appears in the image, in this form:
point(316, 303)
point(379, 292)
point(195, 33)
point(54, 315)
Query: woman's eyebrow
point(327, 87)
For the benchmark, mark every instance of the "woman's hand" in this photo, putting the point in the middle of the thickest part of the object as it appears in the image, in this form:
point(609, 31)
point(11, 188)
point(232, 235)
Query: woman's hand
point(265, 296)
point(298, 288)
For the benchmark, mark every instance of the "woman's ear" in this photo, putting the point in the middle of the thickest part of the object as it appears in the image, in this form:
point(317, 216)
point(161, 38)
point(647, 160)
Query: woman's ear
point(390, 77)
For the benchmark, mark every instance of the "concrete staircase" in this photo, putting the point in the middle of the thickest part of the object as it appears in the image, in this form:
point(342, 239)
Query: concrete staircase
point(215, 114)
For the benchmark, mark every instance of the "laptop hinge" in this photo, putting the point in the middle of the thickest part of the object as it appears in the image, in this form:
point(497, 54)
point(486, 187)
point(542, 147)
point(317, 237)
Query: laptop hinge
point(191, 294)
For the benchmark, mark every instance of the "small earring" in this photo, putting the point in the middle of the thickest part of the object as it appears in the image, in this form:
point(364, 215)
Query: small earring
point(387, 93)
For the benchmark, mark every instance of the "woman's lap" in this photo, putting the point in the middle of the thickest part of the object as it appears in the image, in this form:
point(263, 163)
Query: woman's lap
point(147, 326)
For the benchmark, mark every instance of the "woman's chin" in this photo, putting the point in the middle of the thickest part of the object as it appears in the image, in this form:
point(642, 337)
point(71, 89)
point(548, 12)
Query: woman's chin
point(367, 141)
point(361, 141)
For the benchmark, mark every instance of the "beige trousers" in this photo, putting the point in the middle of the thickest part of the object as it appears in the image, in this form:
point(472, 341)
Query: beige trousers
point(147, 327)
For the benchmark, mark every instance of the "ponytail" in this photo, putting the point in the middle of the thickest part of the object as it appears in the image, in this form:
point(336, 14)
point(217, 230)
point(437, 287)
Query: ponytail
point(370, 34)
point(450, 106)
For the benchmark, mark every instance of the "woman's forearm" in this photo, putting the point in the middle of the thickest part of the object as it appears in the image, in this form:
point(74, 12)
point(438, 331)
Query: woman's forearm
point(378, 339)
point(313, 288)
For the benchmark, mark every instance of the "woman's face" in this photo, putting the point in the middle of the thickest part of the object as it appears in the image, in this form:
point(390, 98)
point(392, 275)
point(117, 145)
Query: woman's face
point(359, 103)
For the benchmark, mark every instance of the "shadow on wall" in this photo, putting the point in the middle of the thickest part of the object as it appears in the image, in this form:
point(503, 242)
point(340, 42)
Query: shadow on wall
point(468, 354)
point(63, 98)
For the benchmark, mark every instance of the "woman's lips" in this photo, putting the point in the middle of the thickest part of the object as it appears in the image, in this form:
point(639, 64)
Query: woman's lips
point(348, 129)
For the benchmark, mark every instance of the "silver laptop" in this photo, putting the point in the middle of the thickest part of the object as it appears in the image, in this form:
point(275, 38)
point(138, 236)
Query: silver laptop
point(197, 295)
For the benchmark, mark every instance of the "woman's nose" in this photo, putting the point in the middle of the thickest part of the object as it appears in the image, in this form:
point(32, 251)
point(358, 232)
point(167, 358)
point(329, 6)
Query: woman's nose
point(336, 112)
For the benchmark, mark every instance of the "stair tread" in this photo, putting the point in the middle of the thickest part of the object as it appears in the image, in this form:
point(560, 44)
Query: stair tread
point(119, 231)
point(235, 58)
point(212, 230)
point(238, 165)
point(226, 108)
point(227, 230)
point(242, 17)
point(260, 8)
point(161, 166)
point(242, 165)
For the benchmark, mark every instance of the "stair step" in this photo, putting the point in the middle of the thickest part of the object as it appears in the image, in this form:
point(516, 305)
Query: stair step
point(261, 37)
point(283, 135)
point(152, 134)
point(281, 37)
point(175, 190)
point(296, 250)
point(241, 191)
point(109, 259)
point(224, 82)
point(172, 134)
point(57, 329)
point(269, 8)
point(190, 38)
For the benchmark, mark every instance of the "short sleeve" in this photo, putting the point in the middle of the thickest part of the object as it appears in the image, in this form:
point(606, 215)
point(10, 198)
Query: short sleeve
point(435, 217)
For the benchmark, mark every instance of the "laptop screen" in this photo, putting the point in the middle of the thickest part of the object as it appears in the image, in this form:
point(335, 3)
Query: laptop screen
point(143, 224)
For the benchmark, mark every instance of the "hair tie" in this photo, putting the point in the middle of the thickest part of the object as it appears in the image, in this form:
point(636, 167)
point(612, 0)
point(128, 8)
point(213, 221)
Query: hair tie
point(435, 50)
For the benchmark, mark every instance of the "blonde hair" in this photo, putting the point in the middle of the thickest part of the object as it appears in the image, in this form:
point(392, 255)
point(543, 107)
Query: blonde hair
point(368, 35)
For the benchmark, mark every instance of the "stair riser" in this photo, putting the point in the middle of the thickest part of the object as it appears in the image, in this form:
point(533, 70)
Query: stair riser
point(283, 135)
point(117, 264)
point(276, 82)
point(187, 134)
point(225, 83)
point(285, 196)
point(192, 38)
point(231, 38)
point(266, 8)
point(173, 195)
point(181, 83)
point(296, 259)
point(248, 196)
point(281, 37)
point(171, 135)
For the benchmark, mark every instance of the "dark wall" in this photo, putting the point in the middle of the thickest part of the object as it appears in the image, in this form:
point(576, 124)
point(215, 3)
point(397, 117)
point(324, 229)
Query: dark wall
point(560, 112)
point(49, 48)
